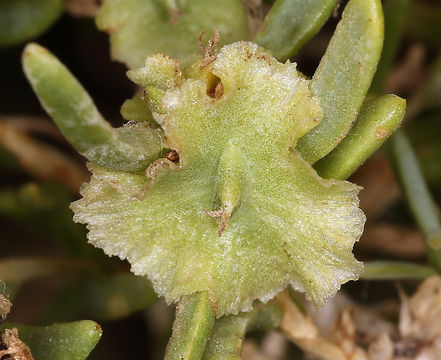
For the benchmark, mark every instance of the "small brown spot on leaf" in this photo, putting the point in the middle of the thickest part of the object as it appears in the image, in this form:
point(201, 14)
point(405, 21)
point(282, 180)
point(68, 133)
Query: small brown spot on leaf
point(381, 133)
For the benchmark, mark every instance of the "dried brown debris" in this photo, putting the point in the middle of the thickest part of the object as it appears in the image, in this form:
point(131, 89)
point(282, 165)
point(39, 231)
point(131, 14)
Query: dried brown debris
point(5, 307)
point(11, 347)
point(14, 347)
point(344, 330)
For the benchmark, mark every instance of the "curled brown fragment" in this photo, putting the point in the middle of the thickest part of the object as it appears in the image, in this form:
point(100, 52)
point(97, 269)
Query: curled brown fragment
point(224, 215)
point(5, 307)
point(154, 169)
point(15, 348)
point(208, 50)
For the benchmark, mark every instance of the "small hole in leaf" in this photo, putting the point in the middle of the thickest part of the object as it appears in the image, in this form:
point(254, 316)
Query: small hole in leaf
point(215, 89)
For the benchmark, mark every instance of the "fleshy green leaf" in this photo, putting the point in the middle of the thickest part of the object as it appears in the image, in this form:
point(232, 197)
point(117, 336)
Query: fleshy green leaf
point(377, 120)
point(137, 109)
point(229, 331)
point(64, 341)
point(241, 215)
point(191, 328)
point(138, 27)
point(23, 20)
point(344, 76)
point(290, 24)
point(131, 148)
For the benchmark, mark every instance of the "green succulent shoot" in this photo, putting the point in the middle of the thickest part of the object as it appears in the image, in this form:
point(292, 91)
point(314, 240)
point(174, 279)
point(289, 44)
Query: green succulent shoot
point(241, 214)
point(210, 187)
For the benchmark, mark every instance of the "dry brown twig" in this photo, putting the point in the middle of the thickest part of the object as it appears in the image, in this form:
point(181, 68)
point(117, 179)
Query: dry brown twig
point(34, 125)
point(400, 241)
point(41, 160)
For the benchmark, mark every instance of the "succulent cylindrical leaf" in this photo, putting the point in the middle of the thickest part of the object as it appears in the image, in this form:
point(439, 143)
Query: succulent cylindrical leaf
point(130, 148)
point(344, 76)
point(192, 327)
point(377, 120)
point(229, 332)
point(291, 23)
point(63, 341)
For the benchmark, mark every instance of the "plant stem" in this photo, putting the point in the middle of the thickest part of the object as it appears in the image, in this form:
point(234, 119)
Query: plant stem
point(191, 329)
point(416, 192)
point(229, 331)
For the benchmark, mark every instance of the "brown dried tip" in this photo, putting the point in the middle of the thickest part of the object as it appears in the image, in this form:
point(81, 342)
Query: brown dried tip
point(154, 169)
point(225, 216)
point(208, 50)
point(15, 348)
point(5, 307)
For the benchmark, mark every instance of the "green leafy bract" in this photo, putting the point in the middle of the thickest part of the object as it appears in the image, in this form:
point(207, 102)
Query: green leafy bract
point(142, 27)
point(241, 214)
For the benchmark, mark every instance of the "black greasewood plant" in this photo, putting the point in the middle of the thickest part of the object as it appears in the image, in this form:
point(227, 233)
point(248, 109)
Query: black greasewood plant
point(227, 184)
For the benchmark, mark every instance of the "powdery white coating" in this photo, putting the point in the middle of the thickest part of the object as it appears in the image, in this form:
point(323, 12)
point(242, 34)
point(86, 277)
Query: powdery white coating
point(285, 224)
